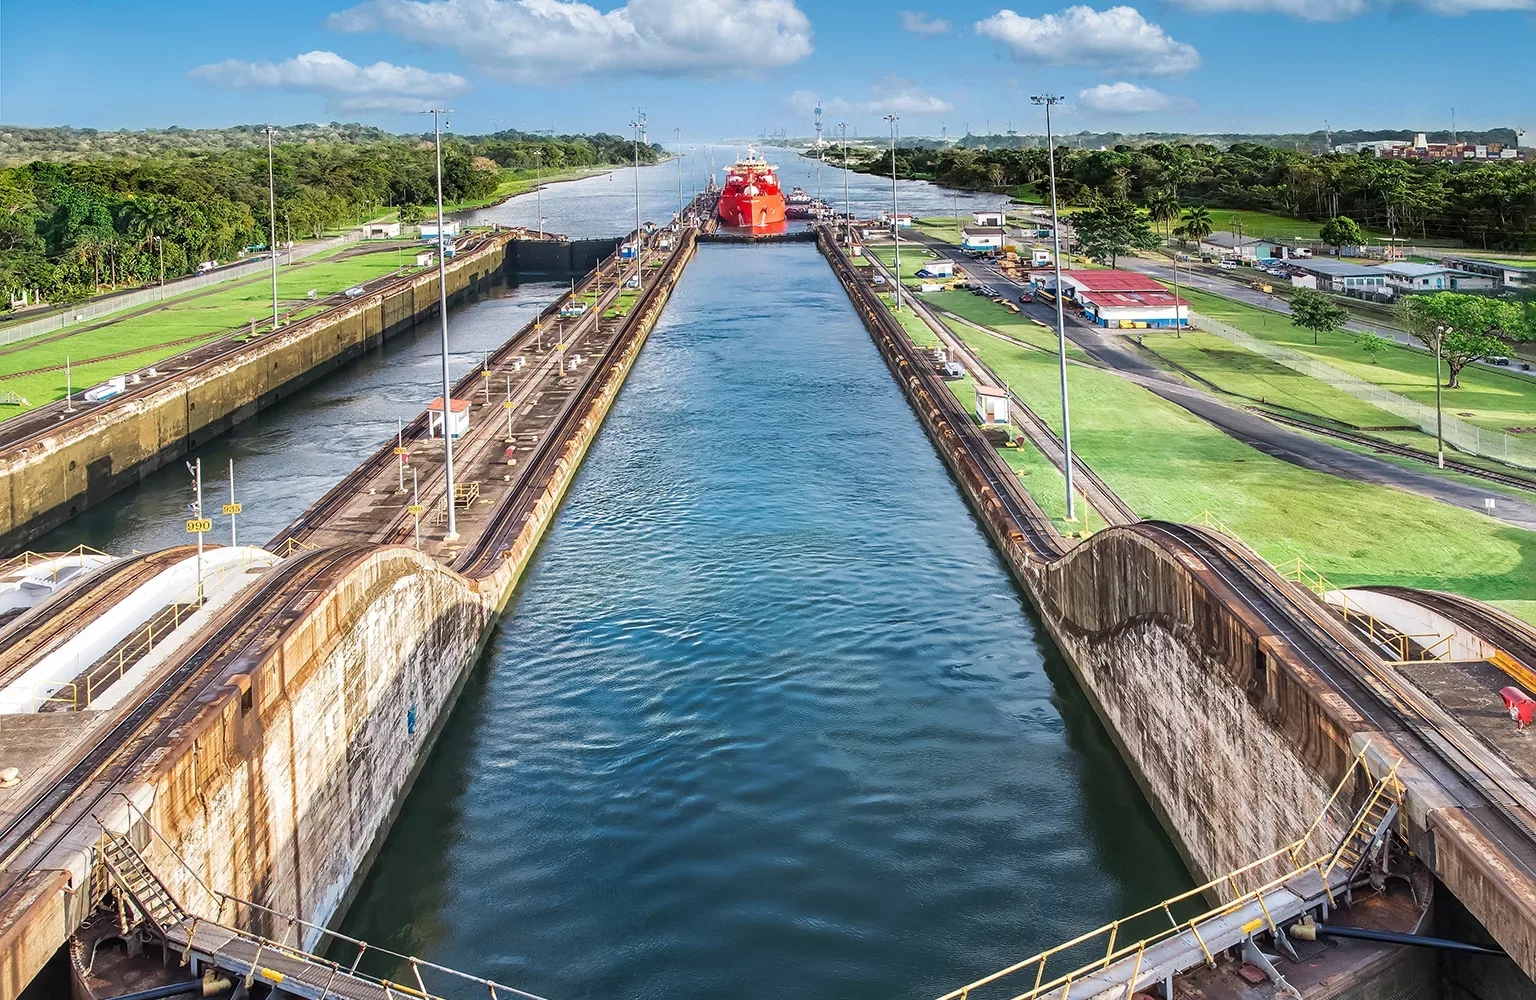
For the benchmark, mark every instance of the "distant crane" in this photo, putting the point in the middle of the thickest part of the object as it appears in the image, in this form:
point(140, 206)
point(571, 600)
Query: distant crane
point(819, 156)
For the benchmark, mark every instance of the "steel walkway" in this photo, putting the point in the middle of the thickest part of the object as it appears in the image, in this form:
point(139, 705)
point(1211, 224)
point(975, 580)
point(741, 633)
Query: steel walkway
point(1308, 882)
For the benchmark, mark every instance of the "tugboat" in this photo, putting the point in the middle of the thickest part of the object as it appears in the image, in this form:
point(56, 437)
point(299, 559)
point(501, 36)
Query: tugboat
point(800, 205)
point(752, 198)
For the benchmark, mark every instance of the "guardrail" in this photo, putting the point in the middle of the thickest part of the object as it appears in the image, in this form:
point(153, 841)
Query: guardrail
point(1464, 436)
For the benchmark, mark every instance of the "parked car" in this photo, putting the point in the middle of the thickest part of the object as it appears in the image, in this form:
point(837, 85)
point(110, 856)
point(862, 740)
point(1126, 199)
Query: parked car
point(1026, 297)
point(1228, 265)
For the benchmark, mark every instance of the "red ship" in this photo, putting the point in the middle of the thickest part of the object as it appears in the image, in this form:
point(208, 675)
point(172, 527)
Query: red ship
point(752, 198)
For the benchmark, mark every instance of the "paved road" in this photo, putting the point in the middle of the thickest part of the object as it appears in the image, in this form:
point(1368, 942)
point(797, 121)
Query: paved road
point(1117, 353)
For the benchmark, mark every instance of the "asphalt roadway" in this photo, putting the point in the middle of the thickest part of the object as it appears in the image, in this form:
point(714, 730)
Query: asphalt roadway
point(1116, 352)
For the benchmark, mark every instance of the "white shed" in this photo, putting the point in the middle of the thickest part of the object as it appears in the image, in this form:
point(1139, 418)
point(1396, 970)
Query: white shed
point(987, 217)
point(458, 418)
point(991, 405)
point(381, 230)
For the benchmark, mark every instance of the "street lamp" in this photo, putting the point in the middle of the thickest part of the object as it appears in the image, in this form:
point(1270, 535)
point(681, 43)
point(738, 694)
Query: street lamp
point(636, 126)
point(677, 138)
point(538, 188)
point(1061, 324)
point(1439, 429)
point(438, 114)
point(844, 127)
point(272, 219)
point(895, 215)
point(160, 245)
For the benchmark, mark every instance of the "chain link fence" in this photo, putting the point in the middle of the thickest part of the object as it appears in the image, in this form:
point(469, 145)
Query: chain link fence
point(1510, 449)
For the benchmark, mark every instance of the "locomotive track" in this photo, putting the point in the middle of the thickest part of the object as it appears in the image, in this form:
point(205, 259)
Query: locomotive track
point(142, 727)
point(1513, 636)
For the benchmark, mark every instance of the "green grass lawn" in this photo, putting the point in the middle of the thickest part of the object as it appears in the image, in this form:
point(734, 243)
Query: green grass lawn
point(1041, 479)
point(1487, 398)
point(180, 325)
point(914, 257)
point(1242, 372)
point(1167, 463)
point(989, 314)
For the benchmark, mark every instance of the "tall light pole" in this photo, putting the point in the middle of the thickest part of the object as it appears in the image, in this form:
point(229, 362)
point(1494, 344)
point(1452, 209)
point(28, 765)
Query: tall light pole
point(1439, 427)
point(636, 126)
point(844, 127)
point(438, 114)
point(272, 218)
point(538, 188)
point(819, 155)
point(1061, 324)
point(160, 245)
point(677, 139)
point(895, 219)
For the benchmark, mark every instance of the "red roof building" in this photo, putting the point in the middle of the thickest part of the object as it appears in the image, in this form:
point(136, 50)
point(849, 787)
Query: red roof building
point(1126, 300)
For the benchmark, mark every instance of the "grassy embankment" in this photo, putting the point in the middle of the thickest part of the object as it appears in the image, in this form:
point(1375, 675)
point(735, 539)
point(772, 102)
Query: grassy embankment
point(1487, 398)
point(179, 325)
point(1041, 478)
point(1167, 463)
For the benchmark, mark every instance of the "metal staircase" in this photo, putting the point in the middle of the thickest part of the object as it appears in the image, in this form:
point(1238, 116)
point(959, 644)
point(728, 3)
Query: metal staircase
point(254, 958)
point(1309, 879)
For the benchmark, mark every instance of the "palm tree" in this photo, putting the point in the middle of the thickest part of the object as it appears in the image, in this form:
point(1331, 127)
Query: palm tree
point(1164, 206)
point(1197, 224)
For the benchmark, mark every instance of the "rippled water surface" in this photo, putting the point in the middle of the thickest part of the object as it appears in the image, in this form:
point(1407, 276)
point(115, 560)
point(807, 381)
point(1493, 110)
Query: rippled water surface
point(767, 718)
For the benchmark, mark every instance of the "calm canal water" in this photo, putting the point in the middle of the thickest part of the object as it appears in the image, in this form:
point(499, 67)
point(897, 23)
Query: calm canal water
point(767, 718)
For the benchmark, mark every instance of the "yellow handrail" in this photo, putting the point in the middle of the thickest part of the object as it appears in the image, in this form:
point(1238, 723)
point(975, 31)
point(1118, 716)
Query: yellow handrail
point(1291, 853)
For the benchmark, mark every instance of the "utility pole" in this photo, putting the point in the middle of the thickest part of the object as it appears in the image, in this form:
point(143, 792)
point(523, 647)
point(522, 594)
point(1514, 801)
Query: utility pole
point(1047, 100)
point(272, 218)
point(233, 509)
point(69, 387)
point(160, 245)
point(197, 512)
point(636, 124)
point(452, 534)
point(1439, 426)
point(677, 139)
point(895, 219)
point(818, 151)
point(538, 188)
point(843, 128)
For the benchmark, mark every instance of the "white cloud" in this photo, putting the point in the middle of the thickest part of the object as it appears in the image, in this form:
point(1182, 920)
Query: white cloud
point(1343, 10)
point(1081, 36)
point(893, 96)
point(541, 41)
point(1129, 99)
point(346, 85)
point(921, 24)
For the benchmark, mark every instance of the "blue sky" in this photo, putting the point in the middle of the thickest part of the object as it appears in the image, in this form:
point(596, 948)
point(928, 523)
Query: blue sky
point(730, 68)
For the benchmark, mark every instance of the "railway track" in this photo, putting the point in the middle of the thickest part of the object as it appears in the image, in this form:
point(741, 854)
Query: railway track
point(480, 556)
point(56, 620)
point(1513, 636)
point(1468, 771)
point(1509, 479)
point(141, 728)
point(415, 431)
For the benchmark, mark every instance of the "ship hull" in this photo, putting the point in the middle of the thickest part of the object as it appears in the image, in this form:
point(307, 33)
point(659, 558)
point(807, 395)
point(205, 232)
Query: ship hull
point(760, 212)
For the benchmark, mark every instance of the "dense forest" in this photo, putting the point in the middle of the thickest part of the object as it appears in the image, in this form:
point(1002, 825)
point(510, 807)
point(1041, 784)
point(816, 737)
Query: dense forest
point(1311, 142)
point(67, 228)
point(1487, 204)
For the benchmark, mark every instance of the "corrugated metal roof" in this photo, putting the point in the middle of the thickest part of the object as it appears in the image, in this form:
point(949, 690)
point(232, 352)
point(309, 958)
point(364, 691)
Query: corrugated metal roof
point(1111, 281)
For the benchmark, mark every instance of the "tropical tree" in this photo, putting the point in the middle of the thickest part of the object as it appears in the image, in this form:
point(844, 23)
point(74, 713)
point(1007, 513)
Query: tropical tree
point(1164, 207)
point(1197, 224)
point(1111, 229)
point(1373, 344)
point(1460, 328)
point(1315, 311)
point(1341, 231)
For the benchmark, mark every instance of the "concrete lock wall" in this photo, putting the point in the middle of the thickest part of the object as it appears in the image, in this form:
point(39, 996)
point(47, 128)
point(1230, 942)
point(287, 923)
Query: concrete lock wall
point(281, 790)
point(45, 484)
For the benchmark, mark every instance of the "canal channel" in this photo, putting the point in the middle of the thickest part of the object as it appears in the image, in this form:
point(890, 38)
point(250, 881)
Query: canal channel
point(767, 716)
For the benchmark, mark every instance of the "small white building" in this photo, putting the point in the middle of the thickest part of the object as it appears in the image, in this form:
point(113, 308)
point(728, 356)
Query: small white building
point(458, 418)
point(937, 269)
point(1406, 276)
point(428, 230)
point(381, 230)
point(981, 238)
point(426, 258)
point(903, 220)
point(990, 218)
point(991, 405)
